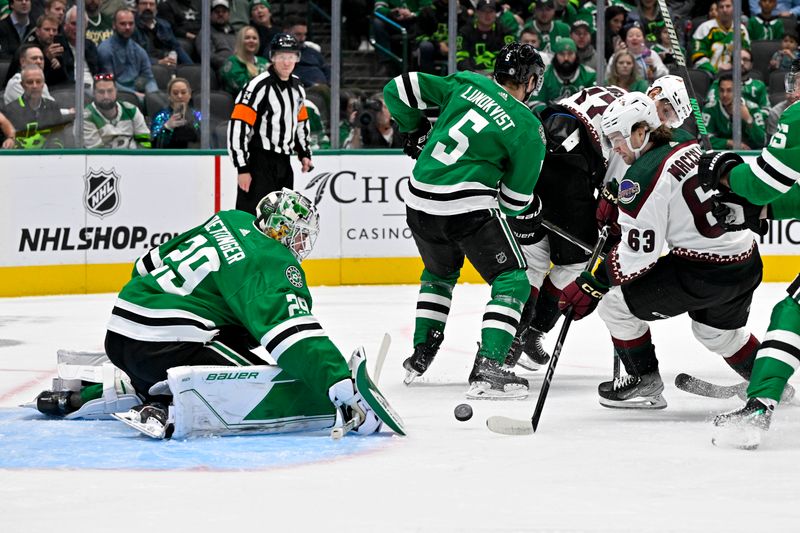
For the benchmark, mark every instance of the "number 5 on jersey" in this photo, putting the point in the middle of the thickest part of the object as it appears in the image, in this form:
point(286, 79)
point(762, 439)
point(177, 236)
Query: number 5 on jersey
point(462, 141)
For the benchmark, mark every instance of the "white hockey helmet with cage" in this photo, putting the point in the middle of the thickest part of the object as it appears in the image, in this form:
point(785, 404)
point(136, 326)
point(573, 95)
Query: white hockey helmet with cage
point(623, 114)
point(291, 219)
point(672, 89)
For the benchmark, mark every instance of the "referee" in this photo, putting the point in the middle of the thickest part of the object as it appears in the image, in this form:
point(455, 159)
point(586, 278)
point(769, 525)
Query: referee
point(268, 122)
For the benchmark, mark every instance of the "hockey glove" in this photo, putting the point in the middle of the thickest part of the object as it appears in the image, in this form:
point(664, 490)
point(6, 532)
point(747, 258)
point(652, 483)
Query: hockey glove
point(714, 166)
point(414, 141)
point(344, 396)
point(607, 210)
point(524, 226)
point(582, 295)
point(735, 213)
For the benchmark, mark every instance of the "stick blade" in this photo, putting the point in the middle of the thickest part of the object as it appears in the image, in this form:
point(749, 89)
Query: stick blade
point(509, 426)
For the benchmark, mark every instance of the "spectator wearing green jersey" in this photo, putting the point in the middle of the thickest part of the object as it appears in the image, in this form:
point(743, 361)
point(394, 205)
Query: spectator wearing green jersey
point(713, 40)
point(479, 42)
point(565, 75)
point(764, 26)
point(545, 23)
point(622, 72)
point(244, 64)
point(753, 90)
point(719, 123)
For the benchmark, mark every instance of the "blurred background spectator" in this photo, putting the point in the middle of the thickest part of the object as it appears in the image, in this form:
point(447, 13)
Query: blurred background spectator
point(178, 125)
point(184, 17)
point(782, 59)
point(719, 122)
point(648, 63)
point(122, 56)
point(37, 121)
point(155, 35)
point(763, 25)
point(9, 133)
point(545, 24)
point(109, 123)
point(373, 126)
point(223, 38)
point(244, 64)
point(91, 64)
point(261, 20)
point(713, 40)
point(564, 77)
point(581, 33)
point(29, 54)
point(479, 42)
point(312, 68)
point(15, 27)
point(99, 25)
point(623, 73)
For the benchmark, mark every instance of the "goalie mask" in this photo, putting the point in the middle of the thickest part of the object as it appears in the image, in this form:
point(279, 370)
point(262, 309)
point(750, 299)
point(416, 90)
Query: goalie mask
point(792, 79)
point(291, 219)
point(622, 115)
point(671, 90)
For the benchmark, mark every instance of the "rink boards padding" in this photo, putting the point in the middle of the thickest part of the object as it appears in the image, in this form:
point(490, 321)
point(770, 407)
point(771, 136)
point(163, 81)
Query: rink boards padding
point(29, 440)
point(76, 220)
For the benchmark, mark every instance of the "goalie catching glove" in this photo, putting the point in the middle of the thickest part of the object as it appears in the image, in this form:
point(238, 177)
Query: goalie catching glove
point(414, 141)
point(715, 166)
point(351, 403)
point(582, 295)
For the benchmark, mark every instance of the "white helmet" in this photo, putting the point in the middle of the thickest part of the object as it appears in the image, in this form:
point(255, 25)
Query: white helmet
point(291, 219)
point(673, 90)
point(627, 111)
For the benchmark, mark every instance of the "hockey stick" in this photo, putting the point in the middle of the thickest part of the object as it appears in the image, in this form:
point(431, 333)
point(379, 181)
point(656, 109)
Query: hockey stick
point(511, 426)
point(676, 52)
point(700, 387)
point(339, 432)
point(564, 235)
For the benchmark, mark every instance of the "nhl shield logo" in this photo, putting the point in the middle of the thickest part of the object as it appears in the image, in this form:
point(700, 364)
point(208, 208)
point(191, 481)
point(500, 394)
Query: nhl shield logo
point(101, 196)
point(501, 258)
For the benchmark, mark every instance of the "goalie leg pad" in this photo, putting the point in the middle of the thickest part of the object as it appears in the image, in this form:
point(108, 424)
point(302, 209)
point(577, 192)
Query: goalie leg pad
point(118, 395)
point(262, 399)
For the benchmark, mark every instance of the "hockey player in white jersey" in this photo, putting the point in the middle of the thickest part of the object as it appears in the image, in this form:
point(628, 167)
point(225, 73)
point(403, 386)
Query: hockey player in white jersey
point(709, 274)
point(577, 164)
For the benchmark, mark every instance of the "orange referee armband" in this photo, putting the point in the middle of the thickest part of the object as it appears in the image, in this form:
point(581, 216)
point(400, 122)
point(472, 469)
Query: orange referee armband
point(244, 113)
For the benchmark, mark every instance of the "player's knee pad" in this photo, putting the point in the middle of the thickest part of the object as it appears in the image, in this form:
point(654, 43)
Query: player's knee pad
point(724, 342)
point(563, 275)
point(538, 258)
point(512, 284)
point(620, 321)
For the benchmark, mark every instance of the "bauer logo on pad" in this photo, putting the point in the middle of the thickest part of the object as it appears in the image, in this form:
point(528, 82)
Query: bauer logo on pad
point(101, 196)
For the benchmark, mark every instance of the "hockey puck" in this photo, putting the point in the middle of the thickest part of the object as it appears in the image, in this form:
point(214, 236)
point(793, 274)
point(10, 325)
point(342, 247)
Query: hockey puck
point(463, 412)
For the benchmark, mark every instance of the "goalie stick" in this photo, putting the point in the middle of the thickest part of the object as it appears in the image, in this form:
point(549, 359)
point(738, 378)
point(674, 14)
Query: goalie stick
point(339, 432)
point(511, 426)
point(676, 52)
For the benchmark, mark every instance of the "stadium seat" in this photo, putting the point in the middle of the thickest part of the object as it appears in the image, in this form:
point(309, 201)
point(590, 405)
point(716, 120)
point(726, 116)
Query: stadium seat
point(4, 66)
point(219, 135)
point(65, 98)
point(162, 74)
point(762, 52)
point(776, 84)
point(789, 25)
point(756, 75)
point(192, 75)
point(221, 104)
point(131, 98)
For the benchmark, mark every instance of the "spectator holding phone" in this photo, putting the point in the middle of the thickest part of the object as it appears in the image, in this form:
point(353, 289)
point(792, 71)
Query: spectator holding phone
point(649, 64)
point(177, 126)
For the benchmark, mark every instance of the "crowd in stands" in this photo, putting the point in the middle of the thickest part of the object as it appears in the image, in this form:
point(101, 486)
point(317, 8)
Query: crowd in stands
point(141, 73)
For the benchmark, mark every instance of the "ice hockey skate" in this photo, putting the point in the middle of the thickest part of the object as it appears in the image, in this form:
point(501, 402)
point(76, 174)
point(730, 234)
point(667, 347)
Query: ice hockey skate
point(54, 402)
point(527, 351)
point(633, 392)
point(423, 355)
point(743, 428)
point(490, 381)
point(151, 419)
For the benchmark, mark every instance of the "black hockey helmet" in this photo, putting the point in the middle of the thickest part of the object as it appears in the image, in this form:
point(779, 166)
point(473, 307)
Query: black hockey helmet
point(283, 42)
point(518, 62)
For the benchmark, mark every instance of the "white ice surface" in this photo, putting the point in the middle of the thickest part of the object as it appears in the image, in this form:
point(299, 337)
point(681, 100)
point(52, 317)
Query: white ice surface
point(588, 468)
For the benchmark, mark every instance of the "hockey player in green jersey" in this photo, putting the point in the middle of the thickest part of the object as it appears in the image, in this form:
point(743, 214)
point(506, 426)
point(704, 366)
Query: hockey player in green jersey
point(208, 296)
point(768, 186)
point(480, 161)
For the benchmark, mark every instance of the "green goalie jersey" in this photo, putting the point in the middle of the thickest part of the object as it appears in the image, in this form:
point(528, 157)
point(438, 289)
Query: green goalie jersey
point(226, 273)
point(774, 176)
point(484, 152)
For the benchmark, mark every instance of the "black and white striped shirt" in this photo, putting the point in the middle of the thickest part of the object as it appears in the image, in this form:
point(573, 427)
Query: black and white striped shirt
point(275, 111)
